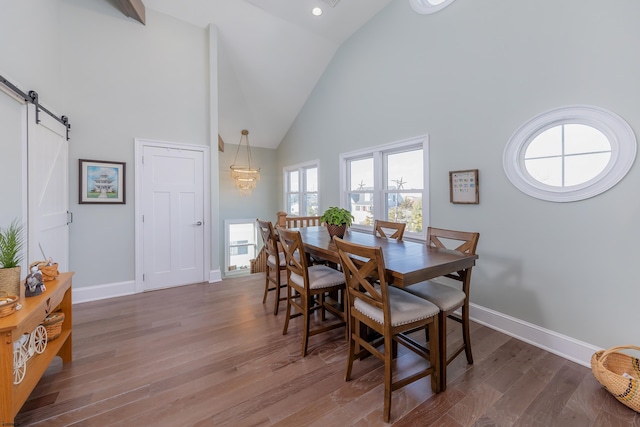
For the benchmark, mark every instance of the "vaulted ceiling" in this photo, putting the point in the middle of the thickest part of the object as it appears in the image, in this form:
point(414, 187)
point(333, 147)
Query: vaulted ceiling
point(271, 54)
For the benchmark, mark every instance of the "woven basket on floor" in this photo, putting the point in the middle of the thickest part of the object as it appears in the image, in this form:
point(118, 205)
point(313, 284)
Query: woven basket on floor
point(7, 303)
point(53, 324)
point(619, 373)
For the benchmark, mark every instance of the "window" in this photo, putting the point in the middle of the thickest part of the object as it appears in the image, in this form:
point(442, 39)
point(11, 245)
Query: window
point(241, 245)
point(429, 6)
point(301, 189)
point(387, 182)
point(569, 154)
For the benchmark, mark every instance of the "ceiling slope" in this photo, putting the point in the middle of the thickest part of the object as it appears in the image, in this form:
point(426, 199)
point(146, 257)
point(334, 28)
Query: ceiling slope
point(271, 55)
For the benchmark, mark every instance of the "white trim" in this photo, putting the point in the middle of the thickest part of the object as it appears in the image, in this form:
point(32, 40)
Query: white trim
point(300, 167)
point(615, 128)
point(215, 276)
point(99, 292)
point(227, 254)
point(425, 7)
point(377, 153)
point(553, 342)
point(140, 143)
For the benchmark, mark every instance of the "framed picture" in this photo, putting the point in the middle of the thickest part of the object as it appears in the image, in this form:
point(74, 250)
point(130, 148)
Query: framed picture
point(102, 181)
point(463, 187)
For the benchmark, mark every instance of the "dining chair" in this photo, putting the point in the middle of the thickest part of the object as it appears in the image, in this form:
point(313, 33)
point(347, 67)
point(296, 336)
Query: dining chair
point(388, 311)
point(310, 288)
point(275, 263)
point(450, 298)
point(395, 230)
point(284, 220)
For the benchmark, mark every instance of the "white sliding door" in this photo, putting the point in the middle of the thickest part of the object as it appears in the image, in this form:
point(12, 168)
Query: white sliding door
point(48, 182)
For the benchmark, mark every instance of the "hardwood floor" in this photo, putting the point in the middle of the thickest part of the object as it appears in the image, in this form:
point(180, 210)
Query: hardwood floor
point(214, 355)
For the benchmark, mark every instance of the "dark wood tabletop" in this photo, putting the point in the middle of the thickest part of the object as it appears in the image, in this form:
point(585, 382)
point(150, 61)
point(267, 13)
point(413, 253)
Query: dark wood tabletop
point(407, 262)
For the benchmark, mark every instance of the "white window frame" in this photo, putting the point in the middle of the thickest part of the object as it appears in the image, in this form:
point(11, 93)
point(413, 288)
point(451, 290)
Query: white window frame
point(425, 7)
point(302, 185)
point(227, 245)
point(615, 128)
point(379, 191)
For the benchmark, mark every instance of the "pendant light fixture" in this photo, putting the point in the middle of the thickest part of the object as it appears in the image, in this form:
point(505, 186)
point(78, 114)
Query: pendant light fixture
point(245, 175)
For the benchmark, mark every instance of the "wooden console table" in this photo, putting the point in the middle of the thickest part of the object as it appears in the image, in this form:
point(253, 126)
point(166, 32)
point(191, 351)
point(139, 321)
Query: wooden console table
point(23, 321)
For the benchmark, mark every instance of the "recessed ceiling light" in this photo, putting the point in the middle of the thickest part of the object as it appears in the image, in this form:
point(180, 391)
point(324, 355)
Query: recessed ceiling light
point(316, 11)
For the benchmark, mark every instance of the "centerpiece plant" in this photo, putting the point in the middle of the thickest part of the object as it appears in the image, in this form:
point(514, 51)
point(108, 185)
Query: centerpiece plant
point(337, 220)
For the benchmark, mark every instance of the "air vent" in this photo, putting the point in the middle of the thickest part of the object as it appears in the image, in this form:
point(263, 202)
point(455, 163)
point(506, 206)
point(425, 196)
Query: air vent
point(332, 3)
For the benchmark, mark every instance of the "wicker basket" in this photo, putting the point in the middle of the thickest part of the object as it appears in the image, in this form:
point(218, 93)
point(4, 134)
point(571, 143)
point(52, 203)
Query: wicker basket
point(53, 324)
point(49, 272)
point(8, 304)
point(10, 281)
point(619, 373)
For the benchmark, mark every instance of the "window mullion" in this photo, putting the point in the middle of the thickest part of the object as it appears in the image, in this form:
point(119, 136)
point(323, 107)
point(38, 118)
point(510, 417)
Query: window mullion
point(378, 193)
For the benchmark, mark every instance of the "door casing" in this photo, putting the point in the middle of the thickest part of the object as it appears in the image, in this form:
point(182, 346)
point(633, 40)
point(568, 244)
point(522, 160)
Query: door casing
point(138, 178)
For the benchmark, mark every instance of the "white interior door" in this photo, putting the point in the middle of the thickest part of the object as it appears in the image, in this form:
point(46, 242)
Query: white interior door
point(172, 191)
point(48, 188)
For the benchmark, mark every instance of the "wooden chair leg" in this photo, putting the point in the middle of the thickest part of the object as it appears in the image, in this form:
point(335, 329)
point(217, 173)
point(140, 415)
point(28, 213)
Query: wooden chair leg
point(352, 349)
point(466, 335)
point(266, 285)
point(277, 302)
point(388, 372)
point(434, 356)
point(442, 349)
point(288, 316)
point(306, 301)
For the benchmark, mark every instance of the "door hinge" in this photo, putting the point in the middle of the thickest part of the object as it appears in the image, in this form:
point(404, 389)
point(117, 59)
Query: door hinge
point(69, 217)
point(143, 277)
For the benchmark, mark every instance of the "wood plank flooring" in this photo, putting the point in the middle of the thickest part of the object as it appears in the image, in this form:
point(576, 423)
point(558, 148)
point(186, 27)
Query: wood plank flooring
point(214, 355)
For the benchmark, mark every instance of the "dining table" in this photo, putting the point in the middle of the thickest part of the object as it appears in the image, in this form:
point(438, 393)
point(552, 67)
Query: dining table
point(407, 262)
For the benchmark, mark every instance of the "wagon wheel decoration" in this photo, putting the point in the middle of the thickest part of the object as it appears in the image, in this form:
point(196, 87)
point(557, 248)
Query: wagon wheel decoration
point(19, 364)
point(39, 339)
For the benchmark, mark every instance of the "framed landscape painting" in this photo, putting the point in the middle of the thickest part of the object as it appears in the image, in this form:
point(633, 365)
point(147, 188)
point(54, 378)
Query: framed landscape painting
point(102, 181)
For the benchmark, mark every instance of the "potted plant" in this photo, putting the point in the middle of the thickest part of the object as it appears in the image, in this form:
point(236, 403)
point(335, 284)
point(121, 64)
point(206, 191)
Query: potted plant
point(11, 243)
point(337, 220)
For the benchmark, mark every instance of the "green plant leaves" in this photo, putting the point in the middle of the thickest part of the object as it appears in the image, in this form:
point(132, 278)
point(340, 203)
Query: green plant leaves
point(11, 243)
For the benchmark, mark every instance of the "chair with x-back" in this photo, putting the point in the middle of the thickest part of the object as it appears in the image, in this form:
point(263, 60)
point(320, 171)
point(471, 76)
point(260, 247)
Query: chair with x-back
point(310, 288)
point(275, 263)
point(388, 229)
point(390, 312)
point(450, 298)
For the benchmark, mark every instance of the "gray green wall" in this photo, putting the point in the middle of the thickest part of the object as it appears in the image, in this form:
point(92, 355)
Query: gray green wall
point(469, 76)
point(262, 202)
point(116, 80)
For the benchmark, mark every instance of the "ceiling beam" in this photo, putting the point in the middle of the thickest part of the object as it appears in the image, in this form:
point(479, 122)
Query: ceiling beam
point(133, 9)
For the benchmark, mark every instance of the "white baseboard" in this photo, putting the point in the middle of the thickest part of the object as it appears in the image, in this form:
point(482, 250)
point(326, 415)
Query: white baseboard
point(562, 345)
point(98, 292)
point(111, 290)
point(215, 276)
point(553, 342)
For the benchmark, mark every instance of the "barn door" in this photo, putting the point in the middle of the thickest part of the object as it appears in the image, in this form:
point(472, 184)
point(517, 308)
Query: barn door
point(48, 188)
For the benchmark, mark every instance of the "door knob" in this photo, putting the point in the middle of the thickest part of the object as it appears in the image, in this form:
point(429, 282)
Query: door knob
point(198, 223)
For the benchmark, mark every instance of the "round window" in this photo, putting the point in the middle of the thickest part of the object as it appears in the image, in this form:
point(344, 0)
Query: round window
point(571, 153)
point(429, 6)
